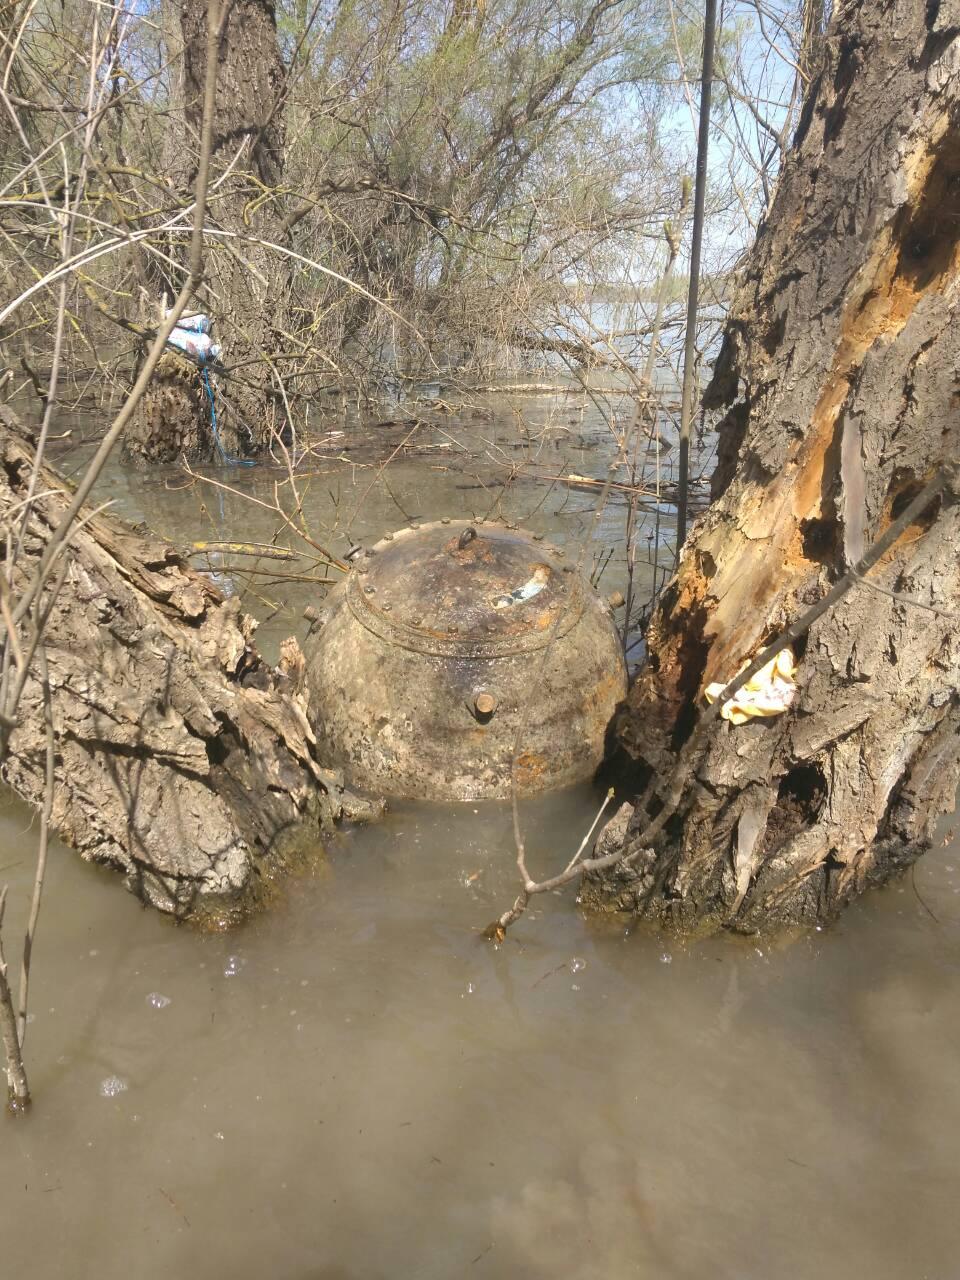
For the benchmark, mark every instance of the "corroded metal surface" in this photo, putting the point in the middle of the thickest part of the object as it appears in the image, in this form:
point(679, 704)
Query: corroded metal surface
point(449, 644)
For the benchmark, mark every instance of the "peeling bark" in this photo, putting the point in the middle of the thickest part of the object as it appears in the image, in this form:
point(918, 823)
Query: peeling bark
point(182, 759)
point(838, 378)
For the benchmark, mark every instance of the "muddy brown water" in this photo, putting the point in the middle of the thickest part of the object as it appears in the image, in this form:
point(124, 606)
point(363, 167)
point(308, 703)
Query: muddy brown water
point(501, 458)
point(354, 1086)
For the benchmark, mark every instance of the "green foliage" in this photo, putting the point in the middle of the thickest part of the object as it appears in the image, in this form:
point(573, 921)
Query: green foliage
point(474, 164)
point(466, 148)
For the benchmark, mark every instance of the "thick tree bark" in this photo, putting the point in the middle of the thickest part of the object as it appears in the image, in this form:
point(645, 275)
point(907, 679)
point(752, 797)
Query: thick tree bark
point(182, 760)
point(839, 380)
point(249, 283)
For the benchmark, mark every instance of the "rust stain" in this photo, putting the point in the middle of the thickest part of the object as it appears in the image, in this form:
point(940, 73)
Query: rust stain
point(530, 766)
point(477, 550)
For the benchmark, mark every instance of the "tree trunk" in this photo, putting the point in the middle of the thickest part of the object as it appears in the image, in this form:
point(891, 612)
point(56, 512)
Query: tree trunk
point(182, 760)
point(838, 377)
point(249, 284)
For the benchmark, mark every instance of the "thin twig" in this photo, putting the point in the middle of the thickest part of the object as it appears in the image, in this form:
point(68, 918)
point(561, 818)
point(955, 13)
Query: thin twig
point(43, 845)
point(18, 1090)
point(192, 283)
point(593, 826)
point(902, 599)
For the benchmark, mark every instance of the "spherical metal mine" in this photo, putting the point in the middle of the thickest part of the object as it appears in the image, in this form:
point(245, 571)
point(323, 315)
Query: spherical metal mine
point(456, 639)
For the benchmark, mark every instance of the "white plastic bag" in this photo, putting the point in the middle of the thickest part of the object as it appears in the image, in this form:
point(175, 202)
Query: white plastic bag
point(767, 693)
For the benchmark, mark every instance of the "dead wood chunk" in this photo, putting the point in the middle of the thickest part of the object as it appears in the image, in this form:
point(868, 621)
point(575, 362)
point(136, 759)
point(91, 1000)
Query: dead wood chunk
point(167, 768)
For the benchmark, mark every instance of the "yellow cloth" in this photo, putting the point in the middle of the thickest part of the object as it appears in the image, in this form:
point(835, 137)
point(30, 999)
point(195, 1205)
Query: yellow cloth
point(767, 693)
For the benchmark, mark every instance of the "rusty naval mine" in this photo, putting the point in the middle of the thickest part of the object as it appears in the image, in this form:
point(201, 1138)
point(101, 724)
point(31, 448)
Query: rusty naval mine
point(451, 646)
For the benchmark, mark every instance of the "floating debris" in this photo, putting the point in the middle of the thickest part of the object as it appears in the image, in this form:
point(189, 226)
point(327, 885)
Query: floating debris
point(112, 1086)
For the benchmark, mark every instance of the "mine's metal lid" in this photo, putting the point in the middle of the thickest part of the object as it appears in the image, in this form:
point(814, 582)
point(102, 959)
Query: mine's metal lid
point(466, 590)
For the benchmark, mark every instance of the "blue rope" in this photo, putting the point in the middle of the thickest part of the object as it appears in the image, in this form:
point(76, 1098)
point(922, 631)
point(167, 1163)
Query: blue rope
point(228, 458)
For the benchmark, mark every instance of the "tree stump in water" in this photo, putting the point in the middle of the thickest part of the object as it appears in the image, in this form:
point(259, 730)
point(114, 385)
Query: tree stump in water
point(182, 759)
point(838, 375)
point(173, 420)
point(250, 283)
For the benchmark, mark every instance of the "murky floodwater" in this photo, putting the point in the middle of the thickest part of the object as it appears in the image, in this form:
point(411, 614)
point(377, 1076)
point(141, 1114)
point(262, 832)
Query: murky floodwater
point(355, 1085)
point(502, 458)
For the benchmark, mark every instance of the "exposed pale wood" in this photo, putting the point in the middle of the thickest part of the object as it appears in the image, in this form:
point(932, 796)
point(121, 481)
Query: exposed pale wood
point(838, 378)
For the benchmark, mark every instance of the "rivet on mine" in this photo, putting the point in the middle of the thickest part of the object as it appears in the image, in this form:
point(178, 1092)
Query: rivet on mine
point(538, 537)
point(445, 520)
point(388, 537)
point(386, 606)
point(369, 589)
point(485, 704)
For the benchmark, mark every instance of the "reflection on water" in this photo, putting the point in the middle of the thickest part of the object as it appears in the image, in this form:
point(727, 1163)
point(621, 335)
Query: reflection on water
point(354, 1086)
point(501, 458)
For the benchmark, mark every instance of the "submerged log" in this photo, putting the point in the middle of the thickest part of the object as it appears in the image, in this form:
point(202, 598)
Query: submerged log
point(838, 378)
point(182, 759)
